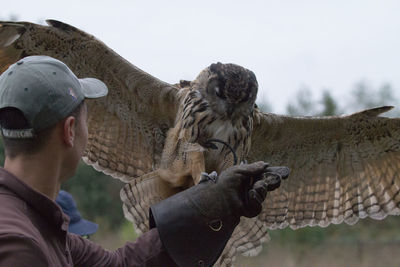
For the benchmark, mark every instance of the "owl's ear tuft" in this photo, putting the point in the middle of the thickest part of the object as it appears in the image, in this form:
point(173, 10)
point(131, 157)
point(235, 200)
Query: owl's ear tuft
point(215, 67)
point(184, 83)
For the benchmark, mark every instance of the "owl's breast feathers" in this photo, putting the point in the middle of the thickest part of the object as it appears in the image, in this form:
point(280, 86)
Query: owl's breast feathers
point(200, 123)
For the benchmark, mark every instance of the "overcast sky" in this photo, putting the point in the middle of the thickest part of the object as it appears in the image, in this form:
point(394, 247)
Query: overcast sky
point(287, 43)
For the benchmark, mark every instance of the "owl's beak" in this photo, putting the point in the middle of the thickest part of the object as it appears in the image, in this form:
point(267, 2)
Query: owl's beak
point(229, 110)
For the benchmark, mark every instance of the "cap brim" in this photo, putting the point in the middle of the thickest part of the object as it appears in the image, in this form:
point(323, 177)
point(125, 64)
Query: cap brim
point(93, 88)
point(83, 227)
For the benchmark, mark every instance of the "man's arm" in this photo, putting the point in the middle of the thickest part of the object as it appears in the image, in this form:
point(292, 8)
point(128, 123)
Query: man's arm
point(146, 251)
point(193, 226)
point(18, 251)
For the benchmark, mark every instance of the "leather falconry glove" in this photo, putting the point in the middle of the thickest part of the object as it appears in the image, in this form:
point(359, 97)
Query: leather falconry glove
point(195, 225)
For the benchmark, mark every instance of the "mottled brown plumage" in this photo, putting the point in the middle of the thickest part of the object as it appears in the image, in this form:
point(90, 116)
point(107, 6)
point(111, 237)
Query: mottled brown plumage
point(154, 135)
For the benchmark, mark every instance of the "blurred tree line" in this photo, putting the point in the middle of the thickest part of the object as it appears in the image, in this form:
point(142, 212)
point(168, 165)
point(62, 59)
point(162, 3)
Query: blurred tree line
point(363, 96)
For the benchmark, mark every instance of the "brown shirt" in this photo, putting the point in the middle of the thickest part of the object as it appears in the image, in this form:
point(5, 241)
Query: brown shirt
point(33, 232)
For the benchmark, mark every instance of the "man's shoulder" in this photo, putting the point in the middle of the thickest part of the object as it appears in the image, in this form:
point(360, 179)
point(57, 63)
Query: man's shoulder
point(11, 202)
point(14, 215)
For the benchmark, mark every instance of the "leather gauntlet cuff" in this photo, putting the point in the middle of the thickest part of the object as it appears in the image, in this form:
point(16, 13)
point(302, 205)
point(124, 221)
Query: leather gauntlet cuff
point(191, 236)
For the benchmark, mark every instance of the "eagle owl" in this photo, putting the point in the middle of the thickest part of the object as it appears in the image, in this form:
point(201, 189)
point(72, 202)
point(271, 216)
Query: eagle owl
point(158, 138)
point(218, 107)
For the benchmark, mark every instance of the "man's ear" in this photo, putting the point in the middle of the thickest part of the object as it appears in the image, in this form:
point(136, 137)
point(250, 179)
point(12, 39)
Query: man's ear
point(69, 131)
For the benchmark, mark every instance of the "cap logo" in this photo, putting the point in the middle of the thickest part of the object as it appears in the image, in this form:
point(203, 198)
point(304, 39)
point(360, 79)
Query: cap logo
point(72, 93)
point(19, 134)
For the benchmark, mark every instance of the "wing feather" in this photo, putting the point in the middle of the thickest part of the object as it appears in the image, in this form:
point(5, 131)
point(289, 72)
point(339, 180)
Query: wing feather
point(127, 129)
point(343, 168)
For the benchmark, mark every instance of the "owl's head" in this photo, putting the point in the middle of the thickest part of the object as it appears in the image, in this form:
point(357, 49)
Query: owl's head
point(230, 90)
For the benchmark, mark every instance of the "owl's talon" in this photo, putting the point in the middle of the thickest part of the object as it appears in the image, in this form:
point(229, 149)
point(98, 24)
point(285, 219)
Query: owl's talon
point(213, 176)
point(243, 162)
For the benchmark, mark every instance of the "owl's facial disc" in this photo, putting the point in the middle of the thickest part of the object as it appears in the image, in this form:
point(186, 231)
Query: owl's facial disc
point(234, 87)
point(216, 86)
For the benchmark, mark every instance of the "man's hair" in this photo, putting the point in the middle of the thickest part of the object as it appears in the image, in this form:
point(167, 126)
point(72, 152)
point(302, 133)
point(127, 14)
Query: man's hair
point(13, 118)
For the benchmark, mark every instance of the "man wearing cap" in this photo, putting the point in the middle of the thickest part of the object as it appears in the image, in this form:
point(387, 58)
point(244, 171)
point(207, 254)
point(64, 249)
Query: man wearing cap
point(43, 123)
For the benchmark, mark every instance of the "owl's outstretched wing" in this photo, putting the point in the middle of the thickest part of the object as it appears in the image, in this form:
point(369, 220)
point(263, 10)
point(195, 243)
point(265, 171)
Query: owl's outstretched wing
point(127, 128)
point(342, 168)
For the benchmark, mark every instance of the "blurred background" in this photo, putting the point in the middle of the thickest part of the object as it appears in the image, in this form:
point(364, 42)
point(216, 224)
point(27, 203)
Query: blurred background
point(310, 57)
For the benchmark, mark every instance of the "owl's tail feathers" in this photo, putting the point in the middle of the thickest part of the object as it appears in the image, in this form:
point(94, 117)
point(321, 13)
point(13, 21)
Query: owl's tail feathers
point(141, 193)
point(247, 239)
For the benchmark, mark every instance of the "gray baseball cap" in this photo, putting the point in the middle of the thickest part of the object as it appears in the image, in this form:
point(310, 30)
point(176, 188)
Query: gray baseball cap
point(45, 90)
